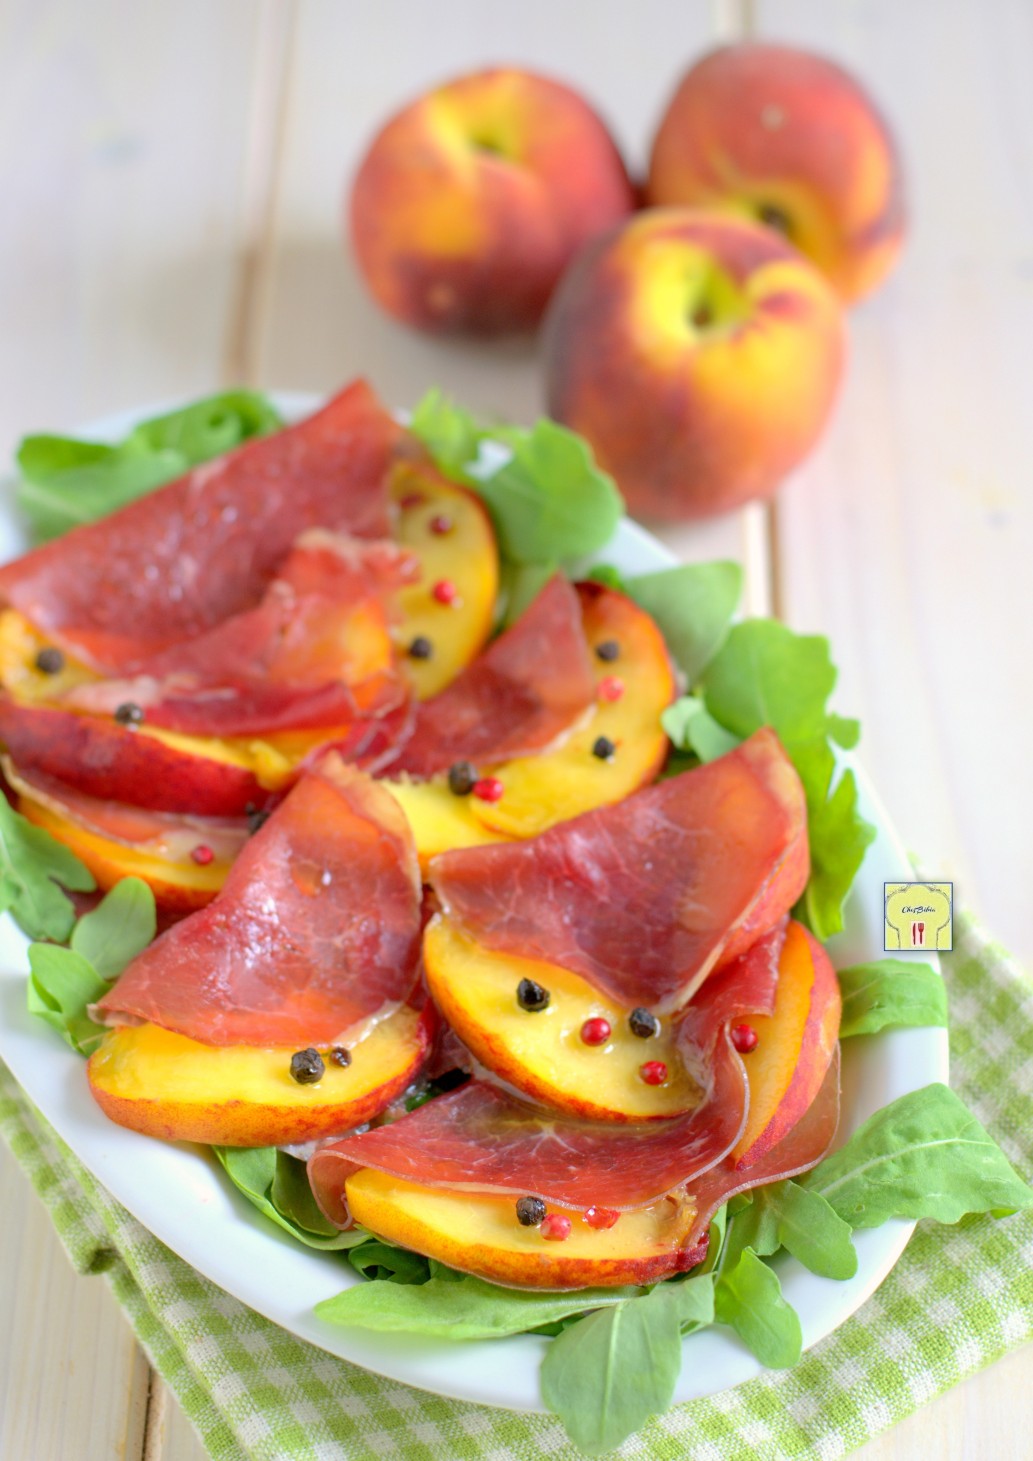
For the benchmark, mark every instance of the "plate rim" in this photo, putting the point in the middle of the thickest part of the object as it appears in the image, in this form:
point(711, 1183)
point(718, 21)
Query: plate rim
point(47, 1069)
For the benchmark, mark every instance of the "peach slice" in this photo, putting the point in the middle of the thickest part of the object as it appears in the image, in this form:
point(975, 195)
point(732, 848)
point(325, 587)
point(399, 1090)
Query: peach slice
point(168, 1085)
point(179, 885)
point(479, 1233)
point(794, 1046)
point(439, 820)
point(542, 1053)
point(449, 530)
point(563, 783)
point(569, 779)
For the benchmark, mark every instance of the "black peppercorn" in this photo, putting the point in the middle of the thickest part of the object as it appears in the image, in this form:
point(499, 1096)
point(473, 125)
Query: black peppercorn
point(421, 648)
point(530, 1211)
point(307, 1067)
point(531, 996)
point(643, 1023)
point(604, 748)
point(340, 1056)
point(607, 651)
point(50, 661)
point(129, 714)
point(777, 218)
point(256, 817)
point(461, 778)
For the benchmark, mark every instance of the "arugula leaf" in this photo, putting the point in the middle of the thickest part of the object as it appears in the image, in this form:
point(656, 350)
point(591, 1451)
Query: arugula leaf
point(786, 1215)
point(550, 500)
point(461, 1307)
point(748, 1298)
point(547, 497)
point(690, 727)
point(375, 1259)
point(609, 576)
point(923, 1156)
point(66, 481)
point(254, 1172)
point(764, 674)
point(63, 983)
point(451, 434)
point(693, 606)
point(61, 986)
point(119, 928)
point(33, 868)
point(890, 992)
point(606, 1375)
point(839, 838)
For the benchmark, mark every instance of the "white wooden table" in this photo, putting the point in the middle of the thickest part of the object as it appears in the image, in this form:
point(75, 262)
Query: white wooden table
point(171, 177)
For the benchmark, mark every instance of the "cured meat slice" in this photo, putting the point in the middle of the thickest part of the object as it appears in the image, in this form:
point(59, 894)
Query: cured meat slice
point(315, 652)
point(315, 933)
point(156, 834)
point(799, 1150)
point(516, 698)
point(189, 555)
point(119, 763)
point(645, 897)
point(480, 1138)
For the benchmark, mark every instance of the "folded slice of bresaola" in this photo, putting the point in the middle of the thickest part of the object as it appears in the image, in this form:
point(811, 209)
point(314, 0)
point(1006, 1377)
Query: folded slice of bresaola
point(186, 557)
point(481, 1138)
point(515, 699)
point(646, 897)
point(315, 932)
point(315, 652)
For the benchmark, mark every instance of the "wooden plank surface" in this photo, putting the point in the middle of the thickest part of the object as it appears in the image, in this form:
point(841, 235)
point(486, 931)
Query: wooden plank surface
point(124, 152)
point(73, 1382)
point(907, 536)
point(174, 176)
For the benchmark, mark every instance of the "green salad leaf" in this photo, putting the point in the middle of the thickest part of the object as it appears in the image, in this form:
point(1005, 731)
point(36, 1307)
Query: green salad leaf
point(66, 482)
point(764, 674)
point(121, 926)
point(64, 982)
point(748, 1298)
point(890, 993)
point(548, 498)
point(606, 1375)
point(690, 727)
point(379, 1260)
point(786, 1215)
point(923, 1156)
point(34, 867)
point(272, 1181)
point(693, 606)
point(450, 433)
point(469, 1308)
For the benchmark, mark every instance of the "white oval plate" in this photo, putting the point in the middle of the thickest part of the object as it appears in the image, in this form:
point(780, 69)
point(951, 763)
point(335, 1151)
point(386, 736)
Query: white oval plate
point(180, 1194)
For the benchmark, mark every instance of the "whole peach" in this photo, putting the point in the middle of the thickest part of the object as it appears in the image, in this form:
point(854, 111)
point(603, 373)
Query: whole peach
point(791, 139)
point(472, 200)
point(698, 354)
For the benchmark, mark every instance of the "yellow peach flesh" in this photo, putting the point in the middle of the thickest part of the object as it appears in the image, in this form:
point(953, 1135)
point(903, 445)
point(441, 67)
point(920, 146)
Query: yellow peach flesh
point(164, 1084)
point(438, 819)
point(794, 1046)
point(465, 556)
point(479, 1233)
point(570, 779)
point(542, 1053)
point(177, 885)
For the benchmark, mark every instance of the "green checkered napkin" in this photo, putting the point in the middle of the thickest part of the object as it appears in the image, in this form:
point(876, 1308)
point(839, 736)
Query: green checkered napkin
point(958, 1299)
